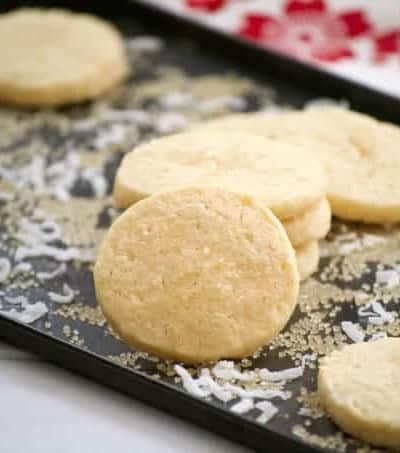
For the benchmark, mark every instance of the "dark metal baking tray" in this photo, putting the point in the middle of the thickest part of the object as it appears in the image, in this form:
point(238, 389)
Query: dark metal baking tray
point(198, 52)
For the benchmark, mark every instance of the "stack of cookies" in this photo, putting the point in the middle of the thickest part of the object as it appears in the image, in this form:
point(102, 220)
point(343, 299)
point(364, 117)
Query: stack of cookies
point(359, 153)
point(279, 175)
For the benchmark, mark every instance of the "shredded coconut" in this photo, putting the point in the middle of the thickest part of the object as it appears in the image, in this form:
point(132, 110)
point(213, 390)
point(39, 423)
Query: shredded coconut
point(268, 411)
point(22, 268)
point(43, 276)
point(55, 180)
point(145, 44)
point(5, 269)
point(97, 181)
point(357, 243)
point(243, 406)
point(389, 278)
point(206, 385)
point(353, 331)
point(167, 123)
point(66, 298)
point(17, 300)
point(377, 336)
point(230, 102)
point(323, 102)
point(176, 100)
point(225, 369)
point(31, 233)
point(378, 315)
point(189, 384)
point(29, 314)
point(113, 134)
point(284, 375)
point(41, 250)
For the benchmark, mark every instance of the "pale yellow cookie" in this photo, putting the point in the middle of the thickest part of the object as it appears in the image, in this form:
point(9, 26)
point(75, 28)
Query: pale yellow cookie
point(311, 225)
point(360, 155)
point(359, 387)
point(278, 174)
point(197, 274)
point(307, 257)
point(54, 57)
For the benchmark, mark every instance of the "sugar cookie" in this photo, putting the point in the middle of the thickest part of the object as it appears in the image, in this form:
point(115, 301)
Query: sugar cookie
point(197, 274)
point(54, 57)
point(359, 387)
point(307, 257)
point(360, 155)
point(278, 174)
point(313, 224)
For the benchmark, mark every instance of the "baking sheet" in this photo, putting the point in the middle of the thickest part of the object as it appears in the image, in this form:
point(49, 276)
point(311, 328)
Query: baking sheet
point(76, 150)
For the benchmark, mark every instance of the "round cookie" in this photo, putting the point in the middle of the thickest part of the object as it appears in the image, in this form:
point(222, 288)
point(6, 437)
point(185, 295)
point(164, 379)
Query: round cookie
point(360, 155)
point(197, 274)
point(313, 224)
point(307, 257)
point(278, 174)
point(53, 57)
point(359, 387)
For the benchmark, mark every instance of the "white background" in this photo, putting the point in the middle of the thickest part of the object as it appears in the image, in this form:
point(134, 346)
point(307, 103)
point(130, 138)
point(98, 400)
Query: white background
point(46, 409)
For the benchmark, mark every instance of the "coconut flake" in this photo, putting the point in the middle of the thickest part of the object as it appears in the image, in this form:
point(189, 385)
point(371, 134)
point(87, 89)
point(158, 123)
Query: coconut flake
point(353, 331)
point(145, 44)
point(43, 276)
point(225, 369)
point(268, 411)
point(57, 178)
point(31, 233)
point(377, 336)
point(5, 269)
point(29, 314)
point(326, 102)
point(176, 100)
point(66, 298)
point(222, 102)
point(97, 180)
point(112, 135)
point(167, 123)
point(206, 386)
point(22, 268)
point(370, 240)
point(17, 300)
point(364, 311)
point(389, 278)
point(284, 375)
point(219, 391)
point(378, 316)
point(383, 315)
point(41, 250)
point(190, 384)
point(243, 406)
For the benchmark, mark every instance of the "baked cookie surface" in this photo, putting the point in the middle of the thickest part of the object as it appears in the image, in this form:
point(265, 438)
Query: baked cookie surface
point(311, 225)
point(359, 387)
point(197, 274)
point(278, 174)
point(307, 257)
point(54, 57)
